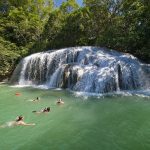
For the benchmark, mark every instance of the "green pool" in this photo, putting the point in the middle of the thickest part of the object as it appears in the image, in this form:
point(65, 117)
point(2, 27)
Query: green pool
point(110, 123)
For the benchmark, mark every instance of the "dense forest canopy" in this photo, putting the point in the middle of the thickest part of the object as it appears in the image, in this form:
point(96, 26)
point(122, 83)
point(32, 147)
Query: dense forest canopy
point(29, 26)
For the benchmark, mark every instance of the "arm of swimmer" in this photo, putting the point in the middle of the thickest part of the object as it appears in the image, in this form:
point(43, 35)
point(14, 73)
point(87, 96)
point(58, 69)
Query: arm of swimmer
point(26, 124)
point(38, 112)
point(29, 124)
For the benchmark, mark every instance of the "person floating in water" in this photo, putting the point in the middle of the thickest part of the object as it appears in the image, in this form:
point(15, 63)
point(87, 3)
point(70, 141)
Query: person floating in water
point(37, 99)
point(19, 121)
point(59, 101)
point(45, 110)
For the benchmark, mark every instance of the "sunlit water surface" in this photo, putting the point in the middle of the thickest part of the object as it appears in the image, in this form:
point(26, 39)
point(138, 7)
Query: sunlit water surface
point(104, 123)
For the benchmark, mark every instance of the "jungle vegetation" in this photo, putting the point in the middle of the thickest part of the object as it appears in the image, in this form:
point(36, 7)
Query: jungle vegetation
point(29, 26)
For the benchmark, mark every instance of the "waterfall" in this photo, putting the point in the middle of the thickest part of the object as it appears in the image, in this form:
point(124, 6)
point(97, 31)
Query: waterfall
point(86, 69)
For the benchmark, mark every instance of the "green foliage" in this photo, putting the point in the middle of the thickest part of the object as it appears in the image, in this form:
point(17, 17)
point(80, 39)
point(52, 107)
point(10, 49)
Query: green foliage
point(123, 25)
point(69, 6)
point(20, 28)
point(8, 57)
point(28, 26)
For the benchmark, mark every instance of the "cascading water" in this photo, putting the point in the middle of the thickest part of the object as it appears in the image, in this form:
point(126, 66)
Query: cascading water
point(86, 69)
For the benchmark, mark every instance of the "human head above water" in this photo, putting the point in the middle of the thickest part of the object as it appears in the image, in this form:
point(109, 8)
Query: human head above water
point(48, 109)
point(19, 118)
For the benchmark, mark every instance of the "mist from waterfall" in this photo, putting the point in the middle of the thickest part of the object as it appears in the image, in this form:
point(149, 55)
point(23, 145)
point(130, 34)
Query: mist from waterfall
point(84, 69)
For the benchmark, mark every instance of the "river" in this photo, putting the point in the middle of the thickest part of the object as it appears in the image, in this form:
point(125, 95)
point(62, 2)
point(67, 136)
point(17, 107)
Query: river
point(114, 122)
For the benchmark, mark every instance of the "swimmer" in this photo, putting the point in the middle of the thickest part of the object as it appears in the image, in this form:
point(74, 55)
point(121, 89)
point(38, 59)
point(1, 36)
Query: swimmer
point(35, 100)
point(19, 121)
point(45, 110)
point(59, 101)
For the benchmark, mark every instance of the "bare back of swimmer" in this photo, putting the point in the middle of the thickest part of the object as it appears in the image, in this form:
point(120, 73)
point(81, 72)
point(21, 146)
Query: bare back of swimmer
point(19, 121)
point(59, 101)
point(45, 110)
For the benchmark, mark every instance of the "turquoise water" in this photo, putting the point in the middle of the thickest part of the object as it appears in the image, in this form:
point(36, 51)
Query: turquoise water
point(110, 123)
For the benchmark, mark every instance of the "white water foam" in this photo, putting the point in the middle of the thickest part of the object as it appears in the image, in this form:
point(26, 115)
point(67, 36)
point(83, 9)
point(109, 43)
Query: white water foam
point(84, 69)
point(139, 93)
point(8, 124)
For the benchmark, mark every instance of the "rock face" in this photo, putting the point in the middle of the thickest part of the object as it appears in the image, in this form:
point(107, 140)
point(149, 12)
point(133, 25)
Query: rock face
point(87, 69)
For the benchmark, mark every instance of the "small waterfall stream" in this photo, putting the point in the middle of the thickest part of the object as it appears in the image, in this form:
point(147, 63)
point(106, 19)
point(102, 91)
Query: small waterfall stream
point(86, 69)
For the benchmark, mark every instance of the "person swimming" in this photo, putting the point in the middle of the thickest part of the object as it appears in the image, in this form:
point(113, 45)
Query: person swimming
point(35, 100)
point(19, 121)
point(59, 101)
point(45, 110)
